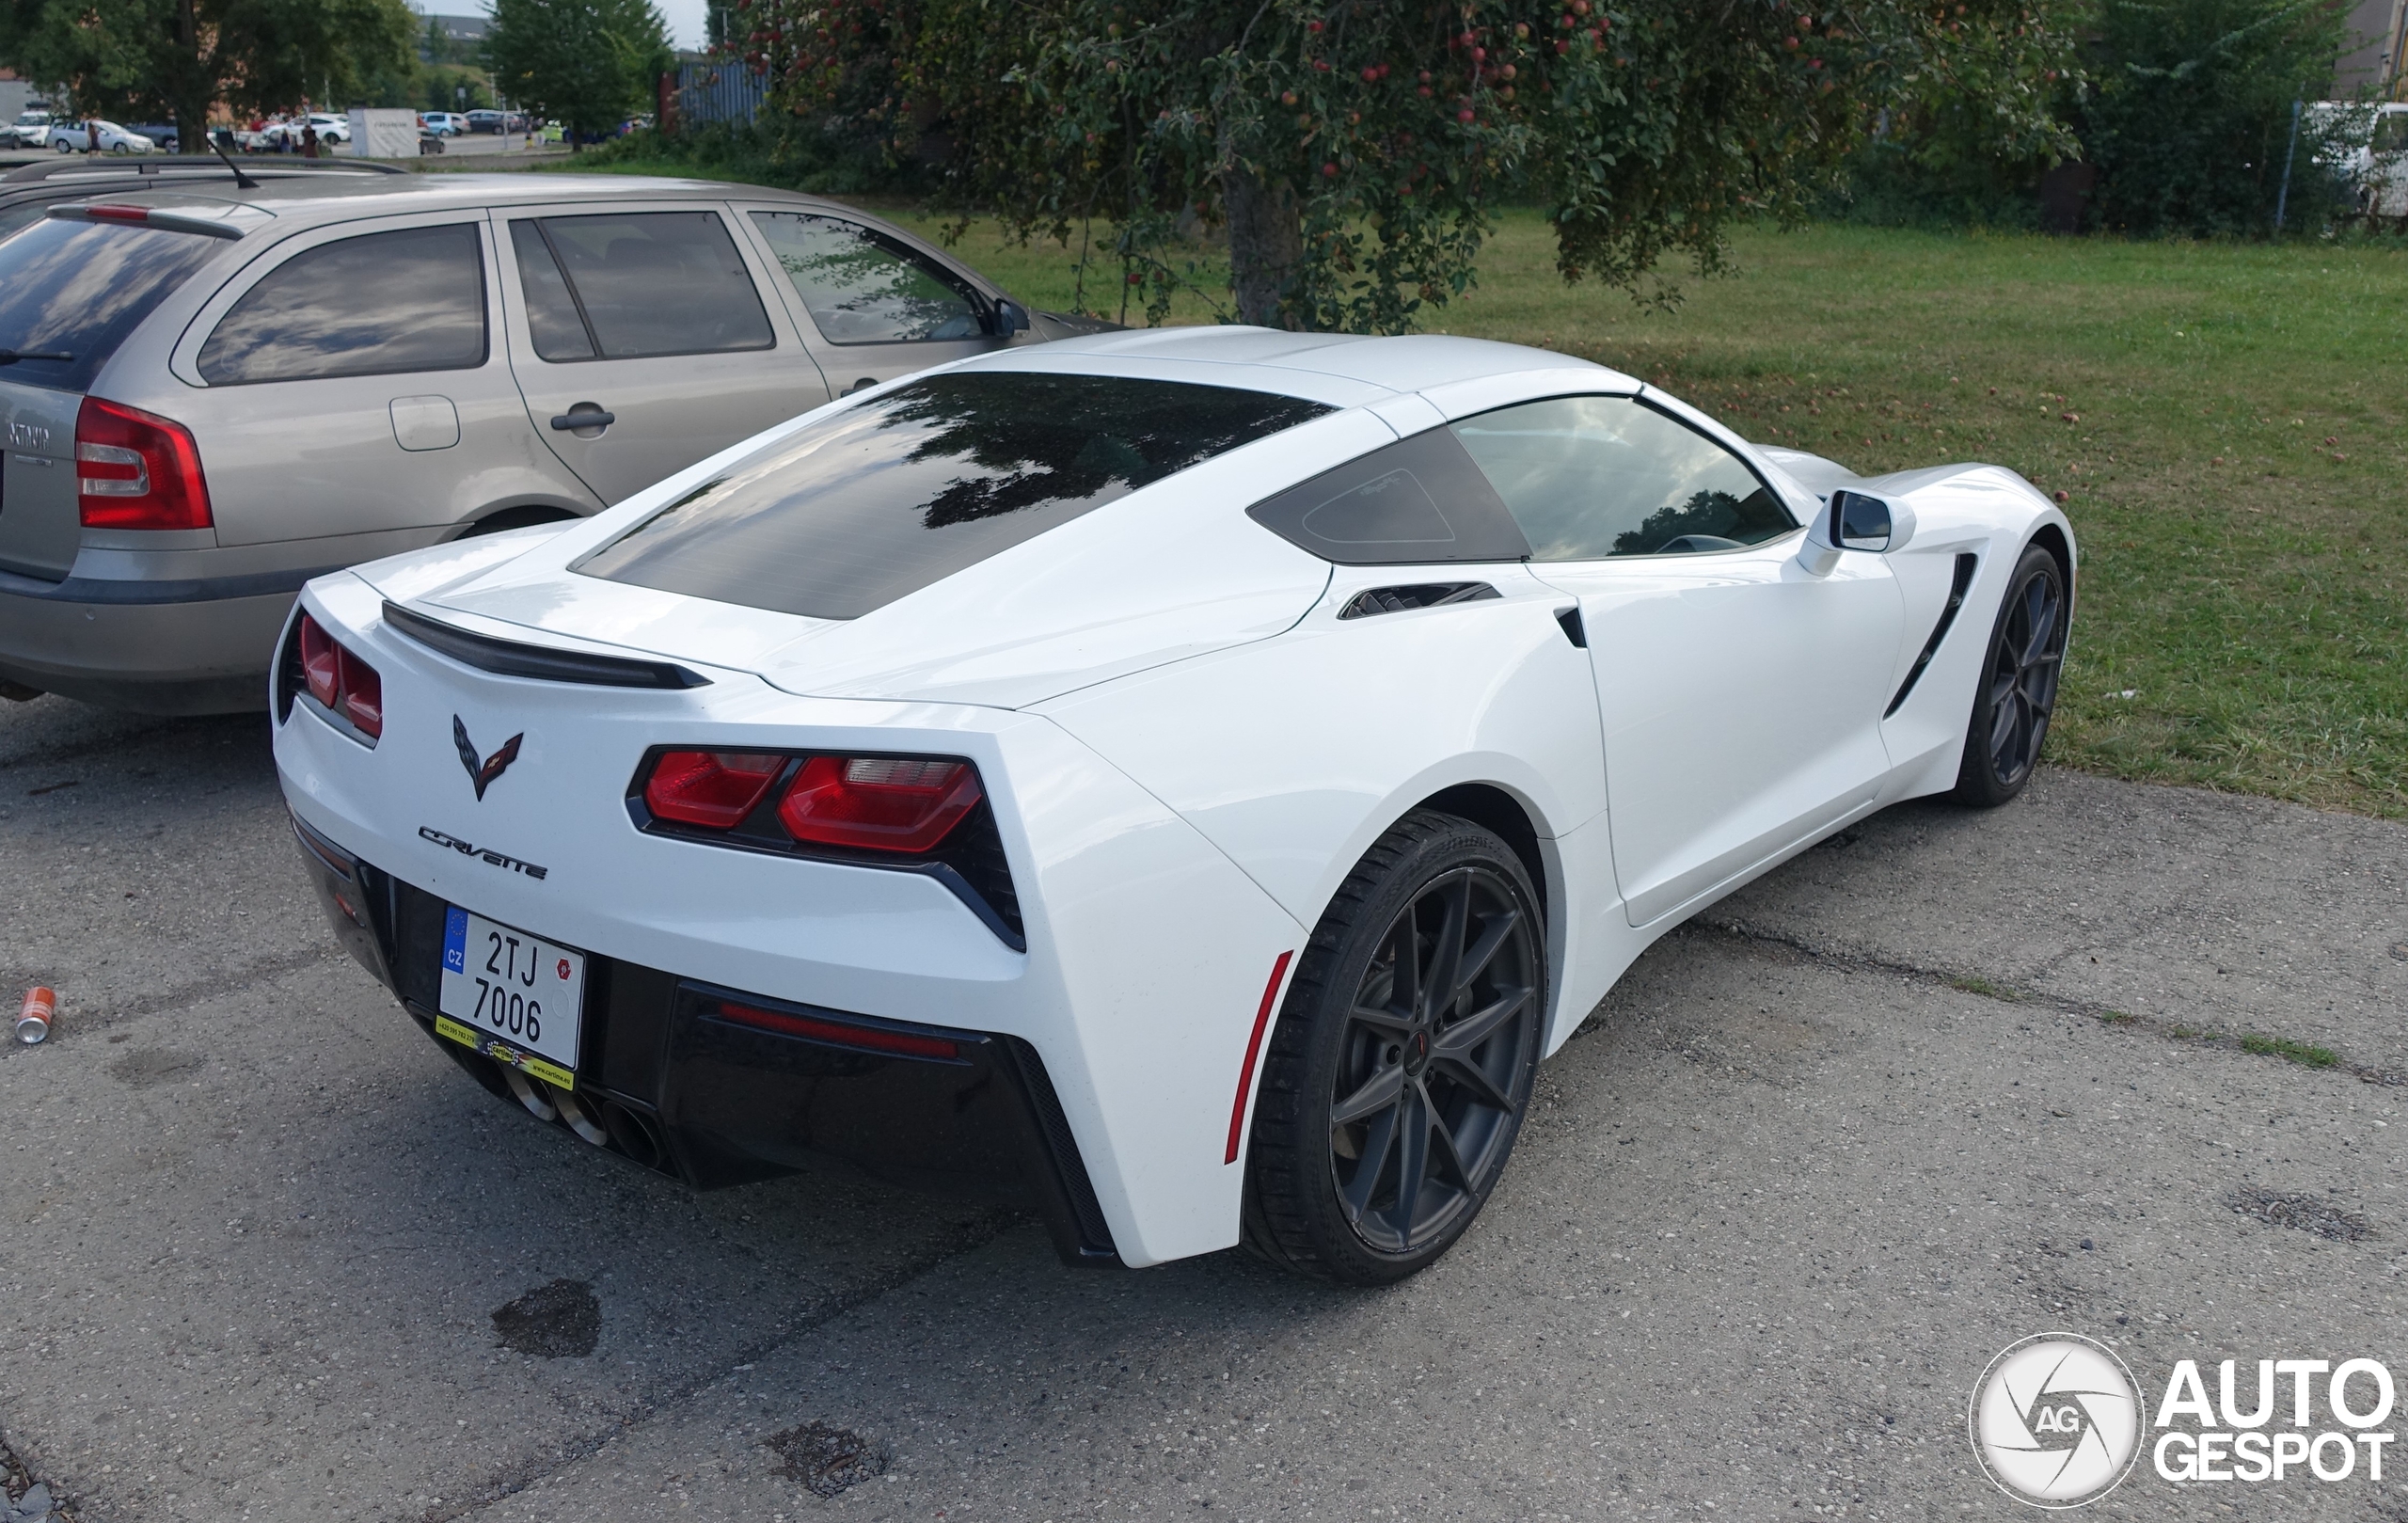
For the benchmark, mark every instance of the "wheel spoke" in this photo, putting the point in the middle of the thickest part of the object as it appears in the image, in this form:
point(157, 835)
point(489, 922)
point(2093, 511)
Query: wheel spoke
point(1457, 1041)
point(1404, 949)
point(1412, 1159)
point(2002, 724)
point(1467, 1074)
point(1377, 1093)
point(1493, 932)
point(1438, 981)
point(1383, 1020)
point(1451, 1165)
point(2044, 616)
point(1356, 1196)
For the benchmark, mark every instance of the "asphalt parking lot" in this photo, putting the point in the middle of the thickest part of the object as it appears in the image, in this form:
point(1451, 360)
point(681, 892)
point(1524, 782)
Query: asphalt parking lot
point(1944, 1082)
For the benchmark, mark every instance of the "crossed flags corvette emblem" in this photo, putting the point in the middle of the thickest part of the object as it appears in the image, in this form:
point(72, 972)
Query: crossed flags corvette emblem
point(482, 774)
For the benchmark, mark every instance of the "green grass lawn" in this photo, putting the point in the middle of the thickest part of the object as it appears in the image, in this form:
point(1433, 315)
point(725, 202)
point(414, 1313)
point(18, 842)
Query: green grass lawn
point(2233, 469)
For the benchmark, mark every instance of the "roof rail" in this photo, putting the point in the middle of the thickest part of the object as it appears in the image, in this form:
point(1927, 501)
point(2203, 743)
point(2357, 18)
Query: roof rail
point(188, 165)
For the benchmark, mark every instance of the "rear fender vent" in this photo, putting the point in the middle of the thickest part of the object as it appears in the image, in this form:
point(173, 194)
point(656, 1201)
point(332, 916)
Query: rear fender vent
point(1375, 601)
point(543, 663)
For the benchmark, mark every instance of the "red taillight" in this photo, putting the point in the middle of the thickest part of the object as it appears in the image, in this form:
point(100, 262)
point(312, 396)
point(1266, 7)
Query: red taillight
point(137, 471)
point(321, 663)
point(111, 212)
point(879, 804)
point(363, 696)
point(714, 789)
point(843, 1034)
point(342, 682)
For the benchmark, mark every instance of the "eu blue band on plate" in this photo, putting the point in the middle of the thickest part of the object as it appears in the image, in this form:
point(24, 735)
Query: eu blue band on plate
point(456, 939)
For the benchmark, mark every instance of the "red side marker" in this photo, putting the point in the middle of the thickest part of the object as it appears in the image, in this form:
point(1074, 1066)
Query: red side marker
point(1254, 1050)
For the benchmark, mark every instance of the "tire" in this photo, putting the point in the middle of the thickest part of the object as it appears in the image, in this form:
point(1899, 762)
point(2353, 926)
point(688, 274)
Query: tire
point(60, 145)
point(1456, 1071)
point(2017, 691)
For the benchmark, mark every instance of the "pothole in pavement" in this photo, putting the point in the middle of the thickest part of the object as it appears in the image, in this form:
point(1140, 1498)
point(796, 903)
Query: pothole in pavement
point(828, 1460)
point(559, 1320)
point(2308, 1212)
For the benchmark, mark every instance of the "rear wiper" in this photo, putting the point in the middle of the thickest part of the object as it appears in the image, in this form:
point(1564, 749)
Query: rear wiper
point(10, 357)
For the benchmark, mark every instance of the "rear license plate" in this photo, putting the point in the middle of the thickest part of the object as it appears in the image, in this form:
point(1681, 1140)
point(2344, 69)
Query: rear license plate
point(512, 996)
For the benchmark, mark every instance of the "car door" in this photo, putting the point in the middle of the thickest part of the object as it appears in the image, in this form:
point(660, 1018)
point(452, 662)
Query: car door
point(349, 384)
point(640, 340)
point(1740, 693)
point(872, 306)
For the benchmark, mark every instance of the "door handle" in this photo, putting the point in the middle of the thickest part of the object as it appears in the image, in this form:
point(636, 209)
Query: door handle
point(595, 418)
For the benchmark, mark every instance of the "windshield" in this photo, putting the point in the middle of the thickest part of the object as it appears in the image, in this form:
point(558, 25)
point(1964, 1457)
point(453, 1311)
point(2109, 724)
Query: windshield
point(77, 289)
point(883, 498)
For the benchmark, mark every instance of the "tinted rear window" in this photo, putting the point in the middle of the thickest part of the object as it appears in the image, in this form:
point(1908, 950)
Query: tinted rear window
point(79, 288)
point(883, 498)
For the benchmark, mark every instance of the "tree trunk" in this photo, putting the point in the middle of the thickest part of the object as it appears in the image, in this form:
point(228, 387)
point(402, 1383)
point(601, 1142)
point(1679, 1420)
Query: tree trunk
point(1266, 246)
point(191, 113)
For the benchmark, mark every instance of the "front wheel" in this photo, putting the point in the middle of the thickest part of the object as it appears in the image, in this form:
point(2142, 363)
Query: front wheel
point(1403, 1061)
point(2018, 685)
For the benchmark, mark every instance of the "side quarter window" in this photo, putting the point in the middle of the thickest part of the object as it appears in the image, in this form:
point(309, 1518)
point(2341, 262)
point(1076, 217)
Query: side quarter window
point(1417, 501)
point(1589, 478)
point(860, 287)
point(379, 304)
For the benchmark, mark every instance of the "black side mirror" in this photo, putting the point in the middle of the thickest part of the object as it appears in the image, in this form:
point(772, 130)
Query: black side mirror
point(1010, 317)
point(1860, 522)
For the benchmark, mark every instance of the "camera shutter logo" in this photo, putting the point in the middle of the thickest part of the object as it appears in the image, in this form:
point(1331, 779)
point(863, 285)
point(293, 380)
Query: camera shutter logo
point(2057, 1420)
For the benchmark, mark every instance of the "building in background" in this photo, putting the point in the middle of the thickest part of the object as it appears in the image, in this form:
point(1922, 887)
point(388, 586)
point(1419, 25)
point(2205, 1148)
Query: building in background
point(16, 95)
point(2378, 27)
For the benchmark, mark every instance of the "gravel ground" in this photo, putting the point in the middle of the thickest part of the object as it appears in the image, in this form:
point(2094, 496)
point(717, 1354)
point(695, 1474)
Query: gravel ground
point(1946, 1082)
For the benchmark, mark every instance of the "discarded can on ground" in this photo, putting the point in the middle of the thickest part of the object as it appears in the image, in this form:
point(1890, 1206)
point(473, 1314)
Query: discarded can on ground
point(34, 1016)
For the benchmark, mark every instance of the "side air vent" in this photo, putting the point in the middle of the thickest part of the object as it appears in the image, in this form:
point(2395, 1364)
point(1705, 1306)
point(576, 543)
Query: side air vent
point(505, 657)
point(1957, 587)
point(1372, 600)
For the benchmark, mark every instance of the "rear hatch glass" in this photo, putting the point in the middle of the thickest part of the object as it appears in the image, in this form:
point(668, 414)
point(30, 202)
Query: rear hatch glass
point(883, 498)
point(76, 289)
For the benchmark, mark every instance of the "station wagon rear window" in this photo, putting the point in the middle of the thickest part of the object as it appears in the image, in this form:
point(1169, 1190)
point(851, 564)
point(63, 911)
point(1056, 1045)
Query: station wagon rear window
point(883, 498)
point(78, 288)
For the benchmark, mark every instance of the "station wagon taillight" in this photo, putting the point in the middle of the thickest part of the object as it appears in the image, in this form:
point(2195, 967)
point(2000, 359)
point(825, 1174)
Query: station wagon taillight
point(135, 469)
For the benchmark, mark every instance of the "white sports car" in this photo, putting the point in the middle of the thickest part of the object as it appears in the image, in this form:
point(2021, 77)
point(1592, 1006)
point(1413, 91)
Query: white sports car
point(1182, 781)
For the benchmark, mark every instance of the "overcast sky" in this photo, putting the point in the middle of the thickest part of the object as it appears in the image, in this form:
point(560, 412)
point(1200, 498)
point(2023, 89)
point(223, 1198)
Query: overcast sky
point(684, 16)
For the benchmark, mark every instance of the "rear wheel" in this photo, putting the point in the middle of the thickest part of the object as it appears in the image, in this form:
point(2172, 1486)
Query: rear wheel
point(2018, 685)
point(1403, 1060)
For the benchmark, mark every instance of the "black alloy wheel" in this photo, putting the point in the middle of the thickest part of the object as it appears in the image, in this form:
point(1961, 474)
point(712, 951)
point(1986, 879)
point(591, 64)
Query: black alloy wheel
point(2019, 684)
point(1403, 1061)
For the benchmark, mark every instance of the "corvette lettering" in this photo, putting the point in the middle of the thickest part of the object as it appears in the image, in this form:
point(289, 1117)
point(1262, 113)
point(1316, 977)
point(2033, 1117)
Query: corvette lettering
point(428, 832)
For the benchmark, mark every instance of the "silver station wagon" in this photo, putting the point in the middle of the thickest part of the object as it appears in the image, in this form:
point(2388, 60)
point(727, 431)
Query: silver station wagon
point(212, 393)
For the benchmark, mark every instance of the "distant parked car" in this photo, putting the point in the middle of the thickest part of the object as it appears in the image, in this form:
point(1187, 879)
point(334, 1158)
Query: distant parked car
point(486, 121)
point(76, 136)
point(31, 129)
point(445, 123)
point(274, 383)
point(163, 134)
